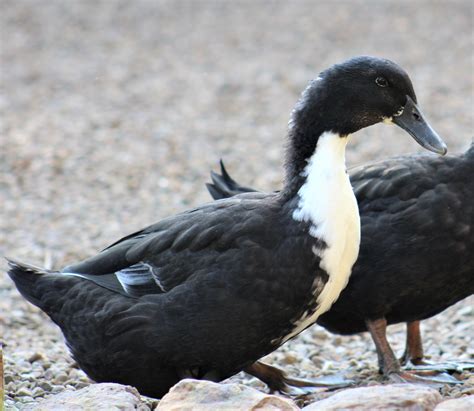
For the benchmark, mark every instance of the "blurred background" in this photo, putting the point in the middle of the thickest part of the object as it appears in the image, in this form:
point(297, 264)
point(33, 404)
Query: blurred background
point(113, 112)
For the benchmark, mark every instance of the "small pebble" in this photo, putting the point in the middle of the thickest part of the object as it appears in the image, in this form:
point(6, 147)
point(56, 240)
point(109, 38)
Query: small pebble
point(45, 385)
point(38, 392)
point(290, 359)
point(22, 384)
point(80, 384)
point(23, 391)
point(57, 389)
point(35, 357)
point(26, 399)
point(61, 378)
point(49, 374)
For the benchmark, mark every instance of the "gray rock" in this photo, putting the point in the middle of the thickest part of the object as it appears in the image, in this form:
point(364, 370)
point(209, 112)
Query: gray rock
point(61, 378)
point(458, 404)
point(45, 386)
point(80, 384)
point(196, 395)
point(112, 397)
point(23, 392)
point(407, 397)
point(26, 399)
point(57, 389)
point(35, 357)
point(38, 392)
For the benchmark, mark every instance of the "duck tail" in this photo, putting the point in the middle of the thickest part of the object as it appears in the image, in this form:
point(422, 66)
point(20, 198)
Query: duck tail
point(30, 280)
point(224, 186)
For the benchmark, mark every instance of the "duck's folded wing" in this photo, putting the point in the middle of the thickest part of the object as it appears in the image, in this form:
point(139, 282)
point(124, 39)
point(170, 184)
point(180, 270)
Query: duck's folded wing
point(164, 255)
point(403, 179)
point(416, 196)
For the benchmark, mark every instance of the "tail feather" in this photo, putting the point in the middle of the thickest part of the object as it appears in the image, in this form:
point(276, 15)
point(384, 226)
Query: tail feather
point(224, 186)
point(26, 278)
point(215, 193)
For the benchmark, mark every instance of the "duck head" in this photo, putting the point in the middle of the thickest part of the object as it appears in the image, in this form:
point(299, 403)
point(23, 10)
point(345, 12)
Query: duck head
point(361, 92)
point(347, 97)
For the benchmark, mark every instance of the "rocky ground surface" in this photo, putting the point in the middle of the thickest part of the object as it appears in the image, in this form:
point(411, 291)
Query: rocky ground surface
point(194, 395)
point(113, 113)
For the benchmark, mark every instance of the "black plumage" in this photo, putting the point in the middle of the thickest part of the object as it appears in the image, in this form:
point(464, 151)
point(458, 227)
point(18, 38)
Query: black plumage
point(208, 292)
point(416, 255)
point(211, 322)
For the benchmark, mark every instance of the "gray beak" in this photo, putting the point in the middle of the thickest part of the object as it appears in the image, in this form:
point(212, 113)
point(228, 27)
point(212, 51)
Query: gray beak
point(413, 122)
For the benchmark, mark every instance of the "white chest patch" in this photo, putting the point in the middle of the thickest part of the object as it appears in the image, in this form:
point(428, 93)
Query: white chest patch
point(328, 203)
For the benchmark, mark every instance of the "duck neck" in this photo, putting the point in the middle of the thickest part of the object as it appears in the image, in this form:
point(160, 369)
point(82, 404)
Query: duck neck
point(311, 141)
point(314, 157)
point(319, 175)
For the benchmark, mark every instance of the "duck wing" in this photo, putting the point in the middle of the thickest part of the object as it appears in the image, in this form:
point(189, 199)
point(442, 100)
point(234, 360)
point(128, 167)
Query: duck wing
point(409, 183)
point(164, 255)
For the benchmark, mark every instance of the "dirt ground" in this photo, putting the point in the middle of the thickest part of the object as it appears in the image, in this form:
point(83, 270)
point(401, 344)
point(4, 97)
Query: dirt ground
point(113, 113)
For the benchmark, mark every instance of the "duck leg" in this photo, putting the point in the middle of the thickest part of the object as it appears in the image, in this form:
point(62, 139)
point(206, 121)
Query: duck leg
point(388, 363)
point(277, 380)
point(390, 366)
point(414, 346)
point(413, 355)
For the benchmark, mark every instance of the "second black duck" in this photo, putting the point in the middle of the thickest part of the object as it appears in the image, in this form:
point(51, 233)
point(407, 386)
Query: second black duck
point(416, 255)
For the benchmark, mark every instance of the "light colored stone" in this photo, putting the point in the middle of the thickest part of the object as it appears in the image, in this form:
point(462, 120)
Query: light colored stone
point(458, 404)
point(406, 397)
point(107, 396)
point(199, 395)
point(23, 392)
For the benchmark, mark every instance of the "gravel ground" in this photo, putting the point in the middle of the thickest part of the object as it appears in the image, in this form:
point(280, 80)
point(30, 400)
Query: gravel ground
point(113, 113)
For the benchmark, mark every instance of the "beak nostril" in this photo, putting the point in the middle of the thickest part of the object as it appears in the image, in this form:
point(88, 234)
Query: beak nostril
point(416, 116)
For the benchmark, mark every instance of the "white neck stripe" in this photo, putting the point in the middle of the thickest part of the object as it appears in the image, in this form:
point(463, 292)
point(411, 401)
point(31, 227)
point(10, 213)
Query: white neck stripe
point(327, 202)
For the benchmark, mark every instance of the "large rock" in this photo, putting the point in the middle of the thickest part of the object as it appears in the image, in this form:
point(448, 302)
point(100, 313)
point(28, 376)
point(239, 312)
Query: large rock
point(408, 397)
point(199, 395)
point(110, 397)
point(458, 404)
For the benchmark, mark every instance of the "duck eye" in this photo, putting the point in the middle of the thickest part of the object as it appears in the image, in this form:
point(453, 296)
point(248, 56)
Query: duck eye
point(382, 82)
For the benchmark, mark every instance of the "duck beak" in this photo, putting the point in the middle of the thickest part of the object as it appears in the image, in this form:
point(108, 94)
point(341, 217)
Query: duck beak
point(413, 121)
